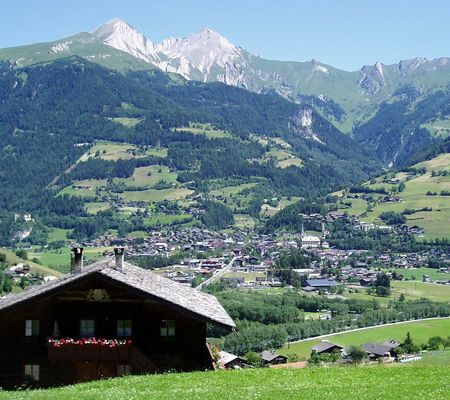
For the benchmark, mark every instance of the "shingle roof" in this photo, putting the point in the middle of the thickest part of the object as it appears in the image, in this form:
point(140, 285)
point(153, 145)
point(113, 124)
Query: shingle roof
point(324, 346)
point(192, 300)
point(376, 349)
point(226, 358)
point(269, 356)
point(392, 343)
point(320, 282)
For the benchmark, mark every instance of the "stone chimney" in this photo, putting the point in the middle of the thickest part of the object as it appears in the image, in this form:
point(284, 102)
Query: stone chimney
point(119, 253)
point(76, 262)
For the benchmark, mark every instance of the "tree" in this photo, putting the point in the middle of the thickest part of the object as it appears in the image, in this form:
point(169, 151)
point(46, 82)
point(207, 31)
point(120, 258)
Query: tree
point(314, 359)
point(382, 291)
point(356, 354)
point(434, 343)
point(254, 359)
point(408, 345)
point(22, 254)
point(402, 297)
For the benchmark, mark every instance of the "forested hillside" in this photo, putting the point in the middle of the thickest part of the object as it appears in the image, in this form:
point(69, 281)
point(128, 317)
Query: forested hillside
point(51, 115)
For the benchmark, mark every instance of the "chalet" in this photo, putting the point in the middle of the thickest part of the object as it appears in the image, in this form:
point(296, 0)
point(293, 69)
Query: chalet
point(272, 358)
point(231, 361)
point(105, 320)
point(377, 351)
point(326, 347)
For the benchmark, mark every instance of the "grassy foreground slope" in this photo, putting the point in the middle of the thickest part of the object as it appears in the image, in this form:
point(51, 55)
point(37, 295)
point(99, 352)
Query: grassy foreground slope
point(378, 382)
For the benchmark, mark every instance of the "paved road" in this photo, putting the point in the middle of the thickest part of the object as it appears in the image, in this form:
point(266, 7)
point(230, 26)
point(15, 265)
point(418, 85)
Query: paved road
point(362, 329)
point(217, 274)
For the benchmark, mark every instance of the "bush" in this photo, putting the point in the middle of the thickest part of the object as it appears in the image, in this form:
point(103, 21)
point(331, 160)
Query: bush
point(356, 354)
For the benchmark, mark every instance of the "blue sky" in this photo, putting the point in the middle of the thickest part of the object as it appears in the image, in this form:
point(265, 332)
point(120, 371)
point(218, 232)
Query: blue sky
point(343, 33)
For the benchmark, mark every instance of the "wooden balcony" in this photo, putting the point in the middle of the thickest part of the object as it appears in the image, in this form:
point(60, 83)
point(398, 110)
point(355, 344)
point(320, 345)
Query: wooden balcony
point(89, 352)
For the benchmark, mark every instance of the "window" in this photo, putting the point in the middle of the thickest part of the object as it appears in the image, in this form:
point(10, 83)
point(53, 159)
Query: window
point(32, 372)
point(32, 327)
point(123, 369)
point(87, 328)
point(124, 327)
point(168, 328)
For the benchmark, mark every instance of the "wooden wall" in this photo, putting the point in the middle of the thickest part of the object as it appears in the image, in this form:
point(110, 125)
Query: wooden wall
point(186, 351)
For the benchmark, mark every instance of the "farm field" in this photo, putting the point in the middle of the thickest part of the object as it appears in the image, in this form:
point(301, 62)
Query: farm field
point(417, 273)
point(205, 129)
point(12, 259)
point(412, 290)
point(230, 190)
point(109, 151)
point(420, 332)
point(164, 219)
point(153, 195)
point(416, 290)
point(60, 259)
point(148, 176)
point(369, 383)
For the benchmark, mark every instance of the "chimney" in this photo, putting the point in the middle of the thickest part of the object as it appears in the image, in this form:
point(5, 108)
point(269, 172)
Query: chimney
point(119, 253)
point(76, 262)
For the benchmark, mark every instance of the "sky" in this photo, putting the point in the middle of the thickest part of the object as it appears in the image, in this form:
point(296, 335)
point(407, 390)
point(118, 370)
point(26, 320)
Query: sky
point(344, 33)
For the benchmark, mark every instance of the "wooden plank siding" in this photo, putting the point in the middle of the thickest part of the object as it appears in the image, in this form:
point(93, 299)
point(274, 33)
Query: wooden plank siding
point(149, 351)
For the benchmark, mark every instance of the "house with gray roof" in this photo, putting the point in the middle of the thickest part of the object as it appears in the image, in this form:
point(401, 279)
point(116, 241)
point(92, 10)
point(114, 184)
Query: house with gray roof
point(107, 319)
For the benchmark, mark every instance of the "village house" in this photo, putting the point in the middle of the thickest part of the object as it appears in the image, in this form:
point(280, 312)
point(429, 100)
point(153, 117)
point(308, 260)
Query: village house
point(109, 319)
point(326, 347)
point(272, 358)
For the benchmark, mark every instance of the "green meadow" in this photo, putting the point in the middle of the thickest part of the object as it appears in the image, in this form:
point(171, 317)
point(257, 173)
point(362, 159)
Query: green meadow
point(420, 332)
point(435, 222)
point(412, 382)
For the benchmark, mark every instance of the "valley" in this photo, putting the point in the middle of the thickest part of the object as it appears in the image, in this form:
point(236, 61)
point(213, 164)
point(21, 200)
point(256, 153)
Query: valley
point(297, 200)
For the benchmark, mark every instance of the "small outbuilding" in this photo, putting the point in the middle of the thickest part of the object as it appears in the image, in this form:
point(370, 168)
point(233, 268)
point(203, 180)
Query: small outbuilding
point(326, 347)
point(272, 358)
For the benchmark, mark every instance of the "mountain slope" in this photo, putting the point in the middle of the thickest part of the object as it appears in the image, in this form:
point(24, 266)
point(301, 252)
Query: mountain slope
point(51, 113)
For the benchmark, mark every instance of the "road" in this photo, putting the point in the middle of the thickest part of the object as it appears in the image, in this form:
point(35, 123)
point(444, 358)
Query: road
point(217, 274)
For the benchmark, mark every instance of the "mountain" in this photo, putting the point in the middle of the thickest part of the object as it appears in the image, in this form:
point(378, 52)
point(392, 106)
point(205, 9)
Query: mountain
point(360, 102)
point(208, 56)
point(52, 113)
point(118, 34)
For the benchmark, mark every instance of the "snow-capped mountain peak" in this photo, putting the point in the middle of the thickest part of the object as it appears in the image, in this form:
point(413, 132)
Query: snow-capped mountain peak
point(122, 36)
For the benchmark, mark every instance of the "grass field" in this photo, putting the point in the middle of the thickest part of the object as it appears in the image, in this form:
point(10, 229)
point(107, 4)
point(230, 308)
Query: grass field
point(205, 129)
point(109, 151)
point(12, 259)
point(435, 358)
point(368, 383)
point(412, 290)
point(416, 290)
point(148, 176)
point(417, 273)
point(163, 219)
point(57, 234)
point(435, 223)
point(420, 331)
point(126, 121)
point(230, 190)
point(60, 259)
point(153, 195)
point(95, 207)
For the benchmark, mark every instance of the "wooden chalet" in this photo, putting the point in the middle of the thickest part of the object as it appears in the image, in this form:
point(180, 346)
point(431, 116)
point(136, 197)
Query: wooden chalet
point(109, 319)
